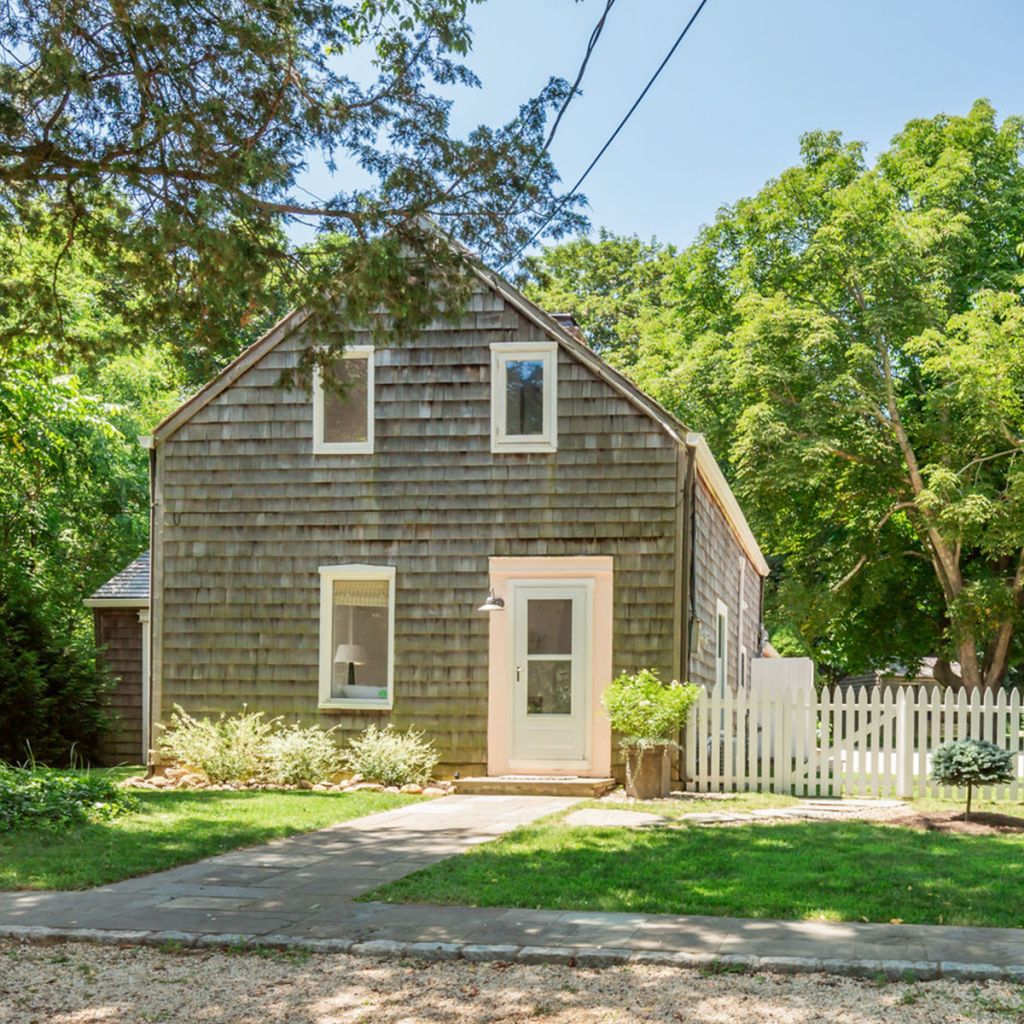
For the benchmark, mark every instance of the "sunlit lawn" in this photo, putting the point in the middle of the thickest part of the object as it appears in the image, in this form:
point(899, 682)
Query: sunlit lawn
point(833, 870)
point(173, 828)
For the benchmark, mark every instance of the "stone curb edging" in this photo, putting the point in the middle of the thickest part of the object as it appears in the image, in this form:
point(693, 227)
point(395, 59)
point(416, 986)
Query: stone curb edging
point(573, 956)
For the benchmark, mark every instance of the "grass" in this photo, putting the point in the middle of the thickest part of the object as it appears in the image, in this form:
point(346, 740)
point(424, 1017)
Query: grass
point(825, 870)
point(738, 804)
point(174, 828)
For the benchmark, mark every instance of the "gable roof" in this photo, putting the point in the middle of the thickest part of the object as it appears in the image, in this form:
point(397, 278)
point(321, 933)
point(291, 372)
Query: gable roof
point(128, 589)
point(706, 463)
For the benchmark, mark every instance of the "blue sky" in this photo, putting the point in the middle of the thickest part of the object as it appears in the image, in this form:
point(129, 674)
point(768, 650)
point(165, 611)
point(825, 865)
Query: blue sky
point(750, 77)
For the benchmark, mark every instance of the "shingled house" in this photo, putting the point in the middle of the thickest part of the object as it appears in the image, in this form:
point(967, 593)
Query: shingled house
point(490, 526)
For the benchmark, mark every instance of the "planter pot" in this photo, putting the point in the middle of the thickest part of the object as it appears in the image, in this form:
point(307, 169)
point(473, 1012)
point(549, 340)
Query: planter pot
point(647, 773)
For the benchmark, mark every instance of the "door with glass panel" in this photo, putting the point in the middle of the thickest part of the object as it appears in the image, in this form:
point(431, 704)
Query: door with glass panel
point(550, 673)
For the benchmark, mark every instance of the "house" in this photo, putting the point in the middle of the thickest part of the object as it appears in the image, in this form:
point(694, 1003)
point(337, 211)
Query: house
point(490, 526)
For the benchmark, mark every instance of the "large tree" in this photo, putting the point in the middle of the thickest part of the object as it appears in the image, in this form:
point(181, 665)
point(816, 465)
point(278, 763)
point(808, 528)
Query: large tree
point(852, 337)
point(169, 136)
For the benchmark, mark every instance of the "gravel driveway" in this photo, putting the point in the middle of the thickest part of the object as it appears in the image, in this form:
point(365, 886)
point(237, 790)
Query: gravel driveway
point(82, 984)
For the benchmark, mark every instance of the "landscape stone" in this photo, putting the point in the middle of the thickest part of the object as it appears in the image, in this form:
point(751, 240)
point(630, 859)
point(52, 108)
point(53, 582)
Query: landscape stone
point(485, 954)
point(544, 955)
point(919, 970)
point(969, 972)
point(603, 957)
point(789, 964)
point(432, 950)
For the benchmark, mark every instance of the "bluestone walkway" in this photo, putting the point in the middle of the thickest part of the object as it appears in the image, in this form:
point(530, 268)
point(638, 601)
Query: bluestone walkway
point(300, 891)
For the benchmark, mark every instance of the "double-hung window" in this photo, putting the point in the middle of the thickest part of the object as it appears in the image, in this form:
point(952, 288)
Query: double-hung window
point(524, 397)
point(357, 636)
point(343, 415)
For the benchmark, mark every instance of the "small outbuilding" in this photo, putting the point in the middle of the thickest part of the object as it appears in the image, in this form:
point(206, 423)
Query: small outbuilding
point(120, 611)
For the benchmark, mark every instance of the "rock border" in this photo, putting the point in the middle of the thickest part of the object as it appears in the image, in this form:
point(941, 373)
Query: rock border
point(596, 957)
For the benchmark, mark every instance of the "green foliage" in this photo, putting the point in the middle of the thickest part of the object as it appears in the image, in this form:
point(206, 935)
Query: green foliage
point(245, 746)
point(51, 692)
point(851, 341)
point(234, 747)
point(616, 288)
point(174, 827)
point(644, 711)
point(38, 798)
point(181, 181)
point(294, 754)
point(972, 763)
point(391, 757)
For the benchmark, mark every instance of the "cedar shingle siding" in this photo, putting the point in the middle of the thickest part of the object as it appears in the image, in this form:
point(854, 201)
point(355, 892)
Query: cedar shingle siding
point(119, 631)
point(722, 571)
point(247, 514)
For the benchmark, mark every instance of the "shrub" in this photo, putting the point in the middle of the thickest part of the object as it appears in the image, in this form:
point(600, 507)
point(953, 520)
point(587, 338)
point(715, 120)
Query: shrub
point(52, 695)
point(230, 748)
point(971, 763)
point(390, 757)
point(38, 798)
point(294, 754)
point(646, 712)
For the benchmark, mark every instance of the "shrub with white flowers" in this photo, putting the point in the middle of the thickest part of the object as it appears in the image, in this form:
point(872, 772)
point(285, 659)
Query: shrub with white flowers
point(645, 711)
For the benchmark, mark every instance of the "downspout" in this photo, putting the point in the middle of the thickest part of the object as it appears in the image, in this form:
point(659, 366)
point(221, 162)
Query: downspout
point(760, 620)
point(147, 681)
point(687, 539)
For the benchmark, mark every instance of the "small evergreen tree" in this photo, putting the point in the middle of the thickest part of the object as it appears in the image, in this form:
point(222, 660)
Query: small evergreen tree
point(971, 763)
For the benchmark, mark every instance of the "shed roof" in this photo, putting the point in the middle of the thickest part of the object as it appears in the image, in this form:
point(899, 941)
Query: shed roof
point(129, 588)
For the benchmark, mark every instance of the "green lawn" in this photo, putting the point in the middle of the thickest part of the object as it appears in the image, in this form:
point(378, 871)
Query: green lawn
point(174, 828)
point(740, 803)
point(850, 871)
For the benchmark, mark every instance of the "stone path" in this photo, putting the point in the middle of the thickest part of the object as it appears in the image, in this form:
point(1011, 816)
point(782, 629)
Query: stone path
point(299, 892)
point(806, 810)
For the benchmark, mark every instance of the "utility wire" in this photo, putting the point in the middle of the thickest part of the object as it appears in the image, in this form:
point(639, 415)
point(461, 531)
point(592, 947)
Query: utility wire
point(594, 36)
point(611, 139)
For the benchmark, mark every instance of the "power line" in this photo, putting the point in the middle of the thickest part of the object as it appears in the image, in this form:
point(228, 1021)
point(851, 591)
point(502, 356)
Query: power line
point(611, 139)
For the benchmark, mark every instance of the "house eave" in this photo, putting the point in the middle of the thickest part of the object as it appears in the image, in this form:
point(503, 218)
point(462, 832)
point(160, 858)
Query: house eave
point(719, 486)
point(116, 602)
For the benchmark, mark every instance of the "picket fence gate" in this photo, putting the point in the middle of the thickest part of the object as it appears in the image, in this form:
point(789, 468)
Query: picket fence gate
point(864, 743)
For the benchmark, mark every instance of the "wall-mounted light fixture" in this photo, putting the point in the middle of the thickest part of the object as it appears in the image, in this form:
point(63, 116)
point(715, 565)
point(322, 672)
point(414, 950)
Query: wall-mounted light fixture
point(492, 604)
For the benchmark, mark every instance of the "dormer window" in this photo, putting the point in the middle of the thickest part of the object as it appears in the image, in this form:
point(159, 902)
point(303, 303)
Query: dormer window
point(343, 418)
point(524, 397)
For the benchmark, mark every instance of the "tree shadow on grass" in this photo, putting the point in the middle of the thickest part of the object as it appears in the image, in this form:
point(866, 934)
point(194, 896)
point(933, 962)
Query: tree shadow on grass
point(171, 829)
point(852, 871)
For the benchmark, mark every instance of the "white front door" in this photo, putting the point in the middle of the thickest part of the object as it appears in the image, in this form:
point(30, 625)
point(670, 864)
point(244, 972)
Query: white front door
point(550, 670)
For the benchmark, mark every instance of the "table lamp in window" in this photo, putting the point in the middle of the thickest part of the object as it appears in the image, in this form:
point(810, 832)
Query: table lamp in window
point(354, 654)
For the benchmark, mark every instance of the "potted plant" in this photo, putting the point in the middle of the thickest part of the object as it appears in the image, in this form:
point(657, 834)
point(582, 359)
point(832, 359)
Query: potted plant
point(647, 714)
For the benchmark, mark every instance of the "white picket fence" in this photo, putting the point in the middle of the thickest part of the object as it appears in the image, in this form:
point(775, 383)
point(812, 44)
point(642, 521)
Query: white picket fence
point(869, 743)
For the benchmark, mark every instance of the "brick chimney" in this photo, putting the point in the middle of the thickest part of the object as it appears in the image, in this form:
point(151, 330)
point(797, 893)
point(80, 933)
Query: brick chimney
point(569, 325)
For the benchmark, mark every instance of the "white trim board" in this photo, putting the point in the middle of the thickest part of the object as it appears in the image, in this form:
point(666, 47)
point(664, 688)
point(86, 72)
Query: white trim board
point(719, 486)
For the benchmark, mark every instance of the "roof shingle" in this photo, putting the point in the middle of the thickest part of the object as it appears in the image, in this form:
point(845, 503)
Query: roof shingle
point(131, 583)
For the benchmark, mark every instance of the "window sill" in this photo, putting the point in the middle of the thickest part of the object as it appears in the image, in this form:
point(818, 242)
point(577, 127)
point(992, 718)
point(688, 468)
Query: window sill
point(355, 705)
point(522, 447)
point(327, 448)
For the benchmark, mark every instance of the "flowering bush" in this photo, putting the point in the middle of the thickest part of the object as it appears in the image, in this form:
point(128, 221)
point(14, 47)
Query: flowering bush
point(390, 757)
point(295, 754)
point(230, 748)
point(972, 763)
point(645, 711)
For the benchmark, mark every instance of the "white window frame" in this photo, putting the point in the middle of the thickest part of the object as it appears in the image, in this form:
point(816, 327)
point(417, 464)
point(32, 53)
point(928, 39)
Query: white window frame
point(721, 647)
point(501, 353)
point(328, 575)
point(322, 447)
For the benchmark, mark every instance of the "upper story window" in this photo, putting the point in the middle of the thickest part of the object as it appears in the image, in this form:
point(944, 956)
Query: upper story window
point(343, 419)
point(524, 397)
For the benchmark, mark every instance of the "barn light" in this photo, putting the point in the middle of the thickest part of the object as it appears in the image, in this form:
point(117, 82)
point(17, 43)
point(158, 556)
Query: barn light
point(492, 604)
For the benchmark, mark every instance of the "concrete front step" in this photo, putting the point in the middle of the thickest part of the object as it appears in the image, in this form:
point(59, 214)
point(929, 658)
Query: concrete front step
point(534, 785)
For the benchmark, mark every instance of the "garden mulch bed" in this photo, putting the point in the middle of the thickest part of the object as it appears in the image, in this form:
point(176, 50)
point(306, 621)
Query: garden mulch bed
point(981, 823)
